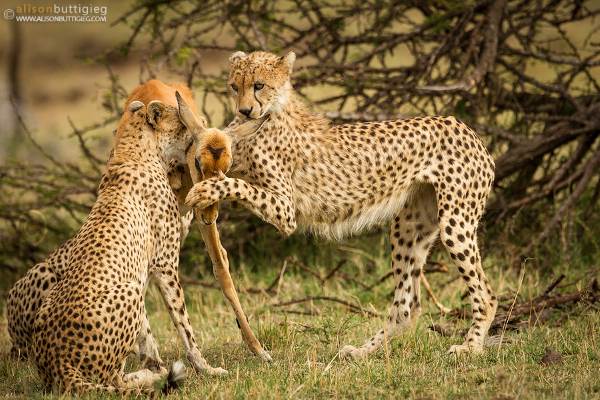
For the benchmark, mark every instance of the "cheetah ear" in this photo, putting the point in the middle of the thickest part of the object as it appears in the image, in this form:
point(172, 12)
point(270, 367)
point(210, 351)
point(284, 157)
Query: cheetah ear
point(235, 57)
point(155, 111)
point(288, 61)
point(135, 105)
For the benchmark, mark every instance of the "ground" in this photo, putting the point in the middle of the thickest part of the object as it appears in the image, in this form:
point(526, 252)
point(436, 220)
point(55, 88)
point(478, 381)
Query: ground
point(304, 347)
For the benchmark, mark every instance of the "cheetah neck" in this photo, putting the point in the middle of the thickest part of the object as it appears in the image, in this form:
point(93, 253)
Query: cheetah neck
point(305, 127)
point(135, 147)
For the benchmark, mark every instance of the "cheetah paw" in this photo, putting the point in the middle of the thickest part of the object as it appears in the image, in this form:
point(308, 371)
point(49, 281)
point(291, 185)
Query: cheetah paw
point(459, 349)
point(351, 352)
point(203, 194)
point(155, 366)
point(202, 366)
point(162, 371)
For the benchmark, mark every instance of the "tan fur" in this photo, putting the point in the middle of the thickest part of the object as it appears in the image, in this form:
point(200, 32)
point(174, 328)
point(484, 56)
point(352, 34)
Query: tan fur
point(179, 173)
point(155, 90)
point(211, 157)
point(214, 150)
point(274, 75)
point(426, 176)
point(214, 154)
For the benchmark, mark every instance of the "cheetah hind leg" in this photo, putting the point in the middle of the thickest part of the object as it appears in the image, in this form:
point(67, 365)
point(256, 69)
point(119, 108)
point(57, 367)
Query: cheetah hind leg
point(22, 304)
point(460, 239)
point(413, 232)
point(147, 348)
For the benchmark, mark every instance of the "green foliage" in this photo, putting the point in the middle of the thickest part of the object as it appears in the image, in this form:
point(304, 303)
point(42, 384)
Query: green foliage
point(438, 22)
point(183, 55)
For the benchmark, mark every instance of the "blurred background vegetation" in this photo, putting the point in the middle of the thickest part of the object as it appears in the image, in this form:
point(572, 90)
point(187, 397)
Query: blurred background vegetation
point(525, 74)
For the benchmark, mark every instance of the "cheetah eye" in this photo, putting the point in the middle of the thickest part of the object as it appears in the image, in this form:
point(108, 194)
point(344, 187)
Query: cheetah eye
point(258, 86)
point(234, 87)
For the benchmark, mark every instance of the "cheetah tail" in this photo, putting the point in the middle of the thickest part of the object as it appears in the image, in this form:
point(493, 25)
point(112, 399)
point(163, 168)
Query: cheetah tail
point(175, 378)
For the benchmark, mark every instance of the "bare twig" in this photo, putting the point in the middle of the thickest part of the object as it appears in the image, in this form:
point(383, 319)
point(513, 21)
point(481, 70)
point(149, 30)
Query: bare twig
point(443, 309)
point(331, 273)
point(279, 279)
point(591, 293)
point(352, 307)
point(553, 285)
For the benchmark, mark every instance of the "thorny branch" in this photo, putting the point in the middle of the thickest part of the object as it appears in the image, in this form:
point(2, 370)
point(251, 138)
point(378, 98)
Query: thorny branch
point(474, 60)
point(517, 71)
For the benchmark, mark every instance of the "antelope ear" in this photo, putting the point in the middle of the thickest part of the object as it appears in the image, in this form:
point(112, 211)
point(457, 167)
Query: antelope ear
point(156, 109)
point(192, 122)
point(288, 61)
point(135, 105)
point(235, 57)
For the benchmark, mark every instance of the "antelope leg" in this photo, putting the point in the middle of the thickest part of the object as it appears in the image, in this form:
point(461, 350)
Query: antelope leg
point(220, 262)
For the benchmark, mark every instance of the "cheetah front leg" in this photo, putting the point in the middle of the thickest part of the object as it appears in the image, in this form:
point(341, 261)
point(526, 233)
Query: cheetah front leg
point(147, 348)
point(274, 207)
point(172, 294)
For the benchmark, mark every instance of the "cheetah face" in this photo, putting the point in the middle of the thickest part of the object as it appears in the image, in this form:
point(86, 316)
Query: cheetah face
point(172, 135)
point(260, 82)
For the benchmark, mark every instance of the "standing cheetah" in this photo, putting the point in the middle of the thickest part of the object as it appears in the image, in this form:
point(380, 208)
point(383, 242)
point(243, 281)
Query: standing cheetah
point(428, 177)
point(90, 320)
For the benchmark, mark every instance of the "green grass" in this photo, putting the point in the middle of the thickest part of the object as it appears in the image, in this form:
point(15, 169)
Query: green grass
point(304, 347)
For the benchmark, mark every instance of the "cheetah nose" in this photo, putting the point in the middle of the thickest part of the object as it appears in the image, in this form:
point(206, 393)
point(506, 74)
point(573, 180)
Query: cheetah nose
point(246, 111)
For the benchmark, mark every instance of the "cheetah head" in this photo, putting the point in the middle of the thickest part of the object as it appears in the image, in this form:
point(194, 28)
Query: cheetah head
point(172, 135)
point(260, 82)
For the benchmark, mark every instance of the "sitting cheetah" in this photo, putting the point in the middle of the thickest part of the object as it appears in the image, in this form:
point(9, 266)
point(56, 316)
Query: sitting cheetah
point(90, 320)
point(26, 296)
point(427, 176)
point(211, 152)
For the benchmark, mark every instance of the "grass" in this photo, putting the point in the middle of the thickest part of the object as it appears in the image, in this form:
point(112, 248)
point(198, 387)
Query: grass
point(304, 347)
